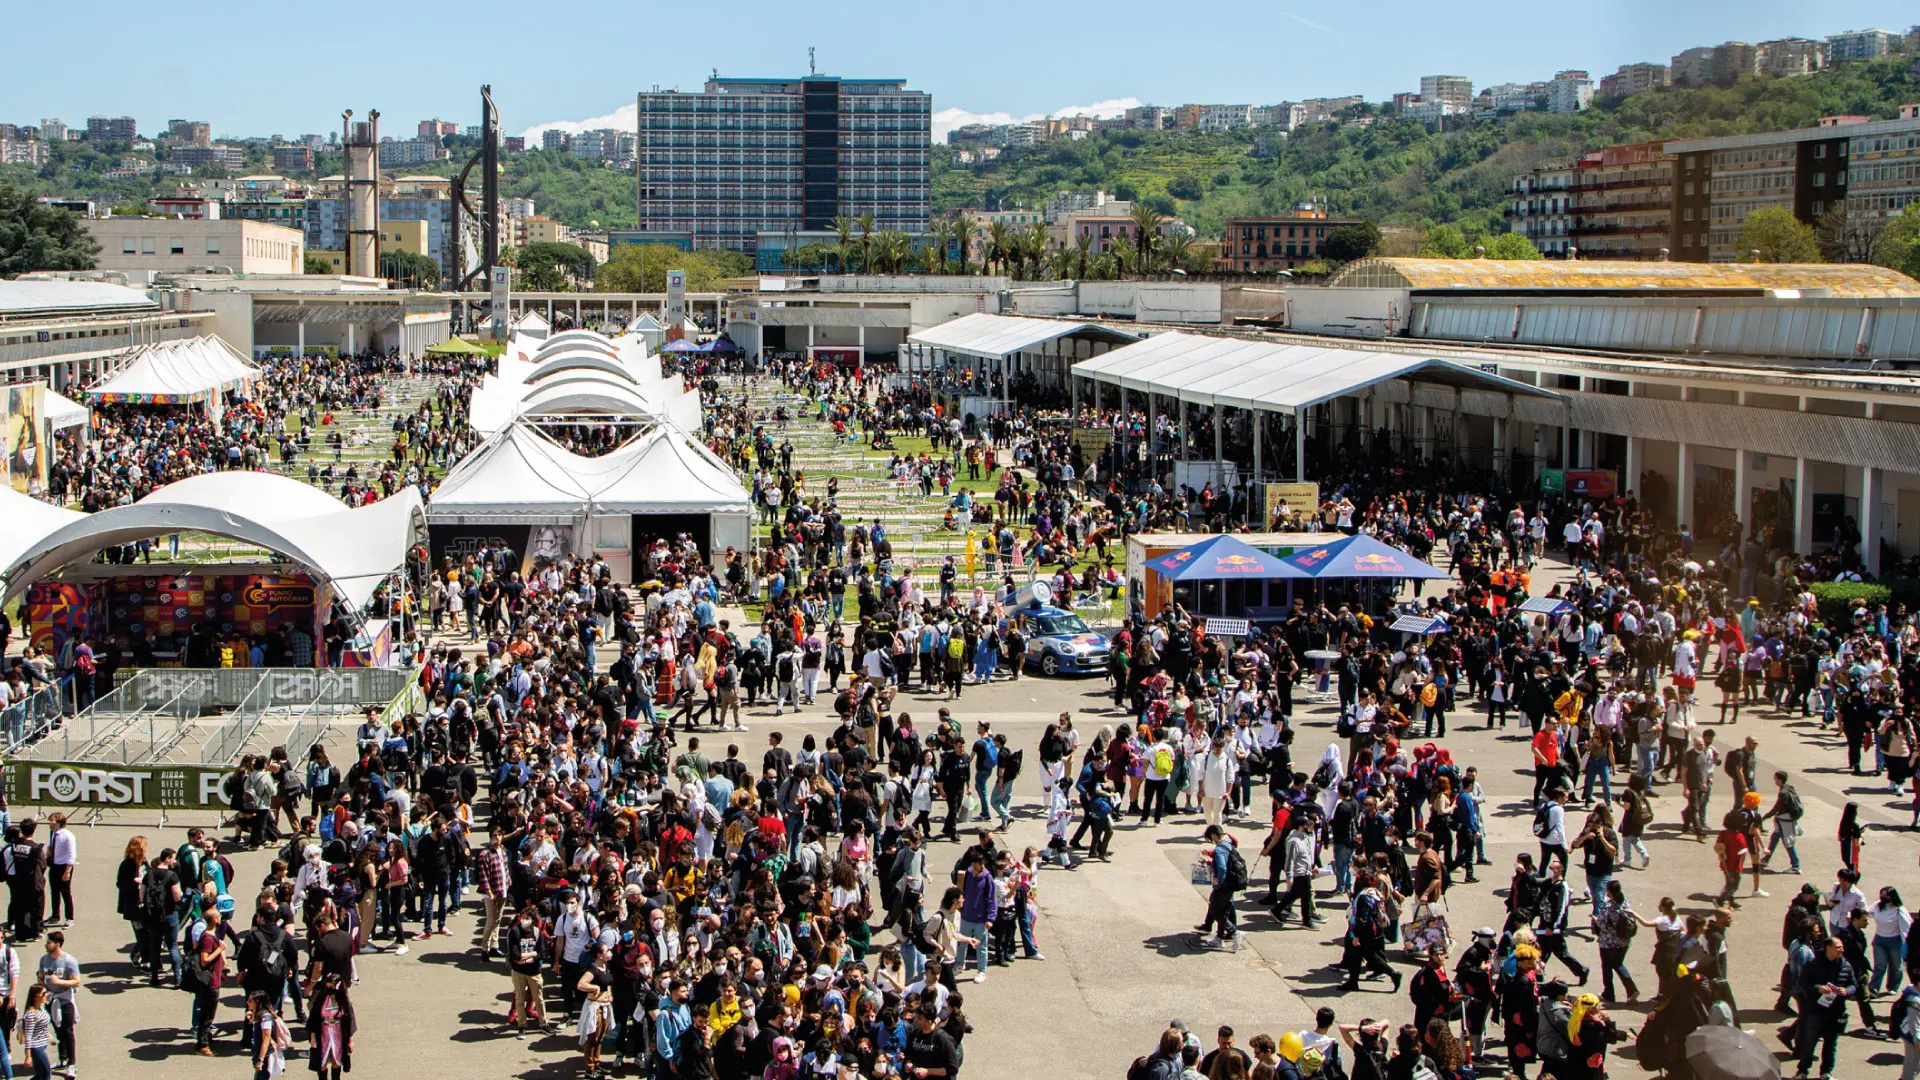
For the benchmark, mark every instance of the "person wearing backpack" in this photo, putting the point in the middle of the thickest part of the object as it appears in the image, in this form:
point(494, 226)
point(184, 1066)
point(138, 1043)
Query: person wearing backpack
point(1160, 762)
point(1229, 878)
point(267, 958)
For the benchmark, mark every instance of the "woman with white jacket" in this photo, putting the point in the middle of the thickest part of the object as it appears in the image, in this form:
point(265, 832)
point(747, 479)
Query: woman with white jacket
point(1216, 770)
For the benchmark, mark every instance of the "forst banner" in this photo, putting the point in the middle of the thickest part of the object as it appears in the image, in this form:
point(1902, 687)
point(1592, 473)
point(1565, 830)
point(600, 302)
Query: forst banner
point(87, 784)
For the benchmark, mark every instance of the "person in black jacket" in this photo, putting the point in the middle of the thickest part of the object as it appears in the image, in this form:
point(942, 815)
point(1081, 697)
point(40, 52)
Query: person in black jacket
point(696, 1049)
point(930, 1050)
point(433, 859)
point(268, 958)
point(1826, 982)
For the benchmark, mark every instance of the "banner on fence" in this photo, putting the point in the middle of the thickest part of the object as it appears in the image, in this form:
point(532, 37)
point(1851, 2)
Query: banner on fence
point(86, 784)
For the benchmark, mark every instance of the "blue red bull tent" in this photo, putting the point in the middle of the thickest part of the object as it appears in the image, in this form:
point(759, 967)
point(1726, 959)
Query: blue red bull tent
point(1363, 557)
point(1222, 576)
point(1221, 558)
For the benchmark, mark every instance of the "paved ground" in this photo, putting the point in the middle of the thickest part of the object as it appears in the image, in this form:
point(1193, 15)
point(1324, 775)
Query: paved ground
point(1120, 962)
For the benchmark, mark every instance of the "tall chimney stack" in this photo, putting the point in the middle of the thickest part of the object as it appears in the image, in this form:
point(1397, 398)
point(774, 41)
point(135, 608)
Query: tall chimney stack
point(362, 141)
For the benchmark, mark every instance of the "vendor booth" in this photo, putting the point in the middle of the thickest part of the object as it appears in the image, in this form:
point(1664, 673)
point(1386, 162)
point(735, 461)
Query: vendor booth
point(523, 491)
point(1225, 577)
point(1262, 598)
point(318, 562)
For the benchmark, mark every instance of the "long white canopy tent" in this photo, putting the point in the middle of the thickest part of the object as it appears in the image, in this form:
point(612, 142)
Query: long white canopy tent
point(1261, 376)
point(657, 486)
point(192, 371)
point(351, 549)
point(582, 377)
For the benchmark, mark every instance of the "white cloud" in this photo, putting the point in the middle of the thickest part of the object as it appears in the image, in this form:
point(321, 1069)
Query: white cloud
point(947, 119)
point(1304, 21)
point(626, 118)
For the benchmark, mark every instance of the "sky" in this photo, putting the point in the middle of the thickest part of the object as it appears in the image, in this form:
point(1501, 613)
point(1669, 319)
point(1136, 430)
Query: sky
point(248, 74)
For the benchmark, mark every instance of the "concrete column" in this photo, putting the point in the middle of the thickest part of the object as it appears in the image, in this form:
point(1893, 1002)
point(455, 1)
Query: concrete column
point(1586, 450)
point(1258, 423)
point(351, 348)
point(1803, 505)
point(1566, 447)
point(1218, 442)
point(300, 336)
point(576, 314)
point(1636, 451)
point(1153, 422)
point(1683, 488)
point(1742, 498)
point(1872, 485)
point(863, 343)
point(549, 312)
point(809, 335)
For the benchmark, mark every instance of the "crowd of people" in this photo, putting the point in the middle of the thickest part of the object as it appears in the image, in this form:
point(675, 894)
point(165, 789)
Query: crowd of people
point(692, 914)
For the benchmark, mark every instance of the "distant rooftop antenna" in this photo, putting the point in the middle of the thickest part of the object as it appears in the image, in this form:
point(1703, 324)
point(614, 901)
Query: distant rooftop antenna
point(811, 70)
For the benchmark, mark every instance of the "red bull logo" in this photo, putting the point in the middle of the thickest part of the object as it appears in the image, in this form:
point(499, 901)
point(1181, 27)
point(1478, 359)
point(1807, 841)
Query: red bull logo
point(1377, 564)
point(1237, 564)
point(1314, 557)
point(1179, 557)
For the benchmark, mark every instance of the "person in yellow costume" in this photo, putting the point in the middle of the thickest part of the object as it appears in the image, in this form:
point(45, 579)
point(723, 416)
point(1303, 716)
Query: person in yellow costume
point(971, 556)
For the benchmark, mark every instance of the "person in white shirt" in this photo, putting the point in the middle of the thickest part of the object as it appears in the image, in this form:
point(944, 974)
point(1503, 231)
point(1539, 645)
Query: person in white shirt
point(63, 855)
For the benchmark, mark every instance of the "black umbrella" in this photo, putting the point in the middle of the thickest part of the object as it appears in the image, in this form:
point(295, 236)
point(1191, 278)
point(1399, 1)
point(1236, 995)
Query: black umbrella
point(1727, 1053)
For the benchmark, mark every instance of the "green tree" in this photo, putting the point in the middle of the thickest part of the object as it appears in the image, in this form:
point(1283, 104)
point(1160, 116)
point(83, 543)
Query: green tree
point(643, 268)
point(1445, 242)
point(1778, 236)
point(1899, 238)
point(555, 265)
point(963, 231)
point(866, 242)
point(34, 236)
point(314, 264)
point(1510, 245)
point(1346, 243)
point(409, 270)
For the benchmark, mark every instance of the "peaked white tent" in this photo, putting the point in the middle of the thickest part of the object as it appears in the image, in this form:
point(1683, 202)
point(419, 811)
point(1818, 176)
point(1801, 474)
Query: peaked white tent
point(63, 412)
point(661, 483)
point(193, 371)
point(533, 325)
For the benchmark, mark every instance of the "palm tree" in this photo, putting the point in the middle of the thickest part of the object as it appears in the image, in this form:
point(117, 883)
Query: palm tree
point(1177, 242)
point(1062, 260)
point(843, 225)
point(1083, 243)
point(963, 231)
point(1146, 227)
point(1035, 238)
point(866, 242)
point(934, 253)
point(996, 245)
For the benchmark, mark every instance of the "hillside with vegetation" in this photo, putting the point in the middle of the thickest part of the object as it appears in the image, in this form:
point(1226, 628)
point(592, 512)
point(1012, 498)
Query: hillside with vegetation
point(1398, 172)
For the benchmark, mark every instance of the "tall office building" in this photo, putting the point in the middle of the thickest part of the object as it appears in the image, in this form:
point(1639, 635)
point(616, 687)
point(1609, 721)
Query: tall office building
point(751, 156)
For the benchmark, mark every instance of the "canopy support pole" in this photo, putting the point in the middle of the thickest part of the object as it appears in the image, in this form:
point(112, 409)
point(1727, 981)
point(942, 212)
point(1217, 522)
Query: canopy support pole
point(1300, 445)
point(1259, 421)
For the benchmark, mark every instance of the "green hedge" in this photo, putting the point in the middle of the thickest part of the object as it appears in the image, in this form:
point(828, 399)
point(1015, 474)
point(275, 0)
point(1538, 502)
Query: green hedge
point(1838, 599)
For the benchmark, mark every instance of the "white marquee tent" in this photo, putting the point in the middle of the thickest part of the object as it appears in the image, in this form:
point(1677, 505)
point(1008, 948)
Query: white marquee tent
point(193, 371)
point(663, 477)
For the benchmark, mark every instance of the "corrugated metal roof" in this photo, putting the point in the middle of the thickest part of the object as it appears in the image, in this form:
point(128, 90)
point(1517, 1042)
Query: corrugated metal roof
point(1841, 279)
point(1266, 375)
point(1004, 335)
point(17, 297)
